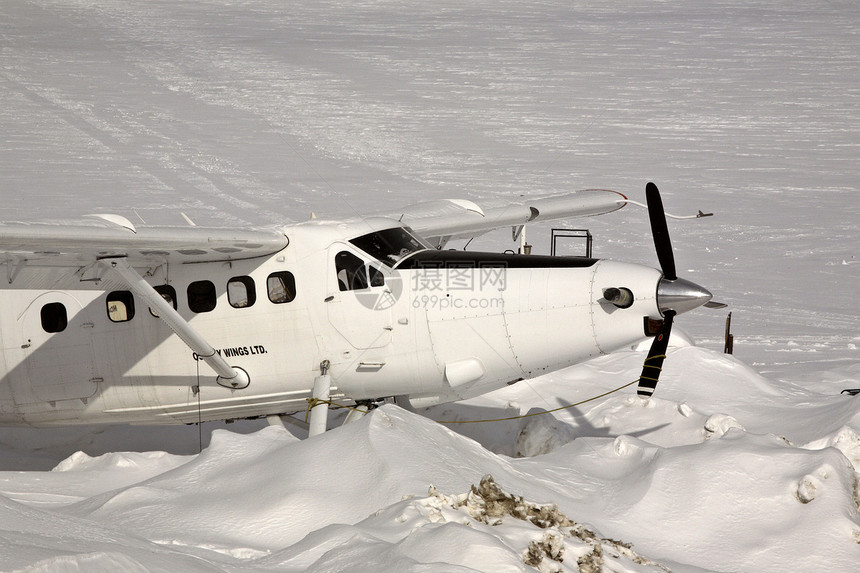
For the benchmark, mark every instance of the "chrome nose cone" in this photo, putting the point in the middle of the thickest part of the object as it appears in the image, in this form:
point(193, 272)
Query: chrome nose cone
point(680, 295)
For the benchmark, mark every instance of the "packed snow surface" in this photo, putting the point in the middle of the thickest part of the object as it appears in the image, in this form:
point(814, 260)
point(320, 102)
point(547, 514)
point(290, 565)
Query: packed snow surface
point(260, 112)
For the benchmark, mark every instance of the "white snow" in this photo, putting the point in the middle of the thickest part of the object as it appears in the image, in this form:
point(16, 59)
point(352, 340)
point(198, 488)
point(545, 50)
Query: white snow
point(259, 111)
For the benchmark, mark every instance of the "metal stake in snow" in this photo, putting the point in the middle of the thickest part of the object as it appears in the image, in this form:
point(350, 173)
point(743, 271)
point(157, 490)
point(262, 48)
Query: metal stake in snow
point(321, 395)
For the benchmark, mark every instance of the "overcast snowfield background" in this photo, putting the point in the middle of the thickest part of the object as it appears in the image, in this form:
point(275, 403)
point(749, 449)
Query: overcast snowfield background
point(261, 112)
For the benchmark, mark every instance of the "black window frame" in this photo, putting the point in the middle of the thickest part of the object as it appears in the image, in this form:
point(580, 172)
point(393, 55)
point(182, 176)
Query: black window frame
point(250, 291)
point(202, 296)
point(163, 290)
point(351, 271)
point(54, 317)
point(290, 293)
point(126, 299)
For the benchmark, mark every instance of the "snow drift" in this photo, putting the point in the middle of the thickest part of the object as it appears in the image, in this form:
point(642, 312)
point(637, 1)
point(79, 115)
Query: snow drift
point(390, 492)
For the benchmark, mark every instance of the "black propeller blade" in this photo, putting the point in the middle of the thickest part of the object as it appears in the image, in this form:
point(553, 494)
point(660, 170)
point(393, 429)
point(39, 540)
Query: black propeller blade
point(656, 354)
point(660, 232)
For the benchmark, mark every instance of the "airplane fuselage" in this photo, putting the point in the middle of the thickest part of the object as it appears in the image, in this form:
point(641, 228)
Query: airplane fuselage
point(390, 316)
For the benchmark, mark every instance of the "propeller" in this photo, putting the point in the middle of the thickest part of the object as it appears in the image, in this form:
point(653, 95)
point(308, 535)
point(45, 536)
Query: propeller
point(674, 295)
point(660, 232)
point(656, 354)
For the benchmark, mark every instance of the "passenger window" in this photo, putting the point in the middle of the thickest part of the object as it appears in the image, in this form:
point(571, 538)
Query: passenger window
point(201, 296)
point(351, 274)
point(54, 318)
point(281, 286)
point(168, 293)
point(241, 292)
point(120, 306)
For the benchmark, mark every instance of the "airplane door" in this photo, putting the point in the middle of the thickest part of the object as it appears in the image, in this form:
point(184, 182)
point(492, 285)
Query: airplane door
point(58, 350)
point(359, 298)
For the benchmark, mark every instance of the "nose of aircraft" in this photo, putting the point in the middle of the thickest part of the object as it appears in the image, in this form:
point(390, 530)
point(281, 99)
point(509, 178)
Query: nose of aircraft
point(680, 295)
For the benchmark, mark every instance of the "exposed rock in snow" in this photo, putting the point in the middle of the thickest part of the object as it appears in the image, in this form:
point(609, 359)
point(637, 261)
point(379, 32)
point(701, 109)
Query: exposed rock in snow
point(563, 539)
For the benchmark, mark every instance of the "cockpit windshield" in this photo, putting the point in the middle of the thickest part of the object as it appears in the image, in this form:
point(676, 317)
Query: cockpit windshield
point(390, 245)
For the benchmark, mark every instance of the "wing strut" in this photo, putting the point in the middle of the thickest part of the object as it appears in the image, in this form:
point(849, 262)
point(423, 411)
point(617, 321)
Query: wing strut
point(228, 376)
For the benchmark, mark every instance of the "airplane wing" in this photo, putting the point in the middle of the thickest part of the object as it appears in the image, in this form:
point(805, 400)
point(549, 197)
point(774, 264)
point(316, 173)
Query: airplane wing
point(439, 221)
point(65, 246)
point(46, 252)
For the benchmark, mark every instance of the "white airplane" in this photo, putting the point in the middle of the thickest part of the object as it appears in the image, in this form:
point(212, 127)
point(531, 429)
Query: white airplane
point(104, 322)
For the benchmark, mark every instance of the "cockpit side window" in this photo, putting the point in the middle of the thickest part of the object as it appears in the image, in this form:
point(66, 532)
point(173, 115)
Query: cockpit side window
point(376, 276)
point(351, 272)
point(389, 245)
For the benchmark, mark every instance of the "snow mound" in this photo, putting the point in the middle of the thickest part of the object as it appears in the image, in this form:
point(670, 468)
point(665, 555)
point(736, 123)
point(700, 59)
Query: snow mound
point(99, 561)
point(541, 435)
point(266, 501)
point(33, 539)
point(678, 338)
point(717, 492)
point(718, 424)
point(79, 461)
point(845, 440)
point(485, 529)
point(267, 489)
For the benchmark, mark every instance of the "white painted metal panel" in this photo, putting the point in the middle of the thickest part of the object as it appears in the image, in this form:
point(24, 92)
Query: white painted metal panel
point(60, 365)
